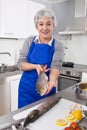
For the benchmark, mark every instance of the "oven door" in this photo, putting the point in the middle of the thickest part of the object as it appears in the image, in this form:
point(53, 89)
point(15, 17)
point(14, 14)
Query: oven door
point(65, 81)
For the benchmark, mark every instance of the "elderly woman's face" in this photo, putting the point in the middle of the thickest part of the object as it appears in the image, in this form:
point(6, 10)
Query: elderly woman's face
point(45, 27)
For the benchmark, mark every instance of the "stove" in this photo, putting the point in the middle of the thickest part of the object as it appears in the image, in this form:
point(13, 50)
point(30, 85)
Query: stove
point(68, 76)
point(73, 70)
point(71, 73)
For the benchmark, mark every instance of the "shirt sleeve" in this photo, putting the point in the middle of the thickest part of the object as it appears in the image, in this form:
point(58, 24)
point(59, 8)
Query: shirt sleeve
point(58, 56)
point(24, 51)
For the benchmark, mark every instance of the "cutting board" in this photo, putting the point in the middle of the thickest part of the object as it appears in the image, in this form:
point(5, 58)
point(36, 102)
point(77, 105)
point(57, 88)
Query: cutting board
point(24, 114)
point(48, 120)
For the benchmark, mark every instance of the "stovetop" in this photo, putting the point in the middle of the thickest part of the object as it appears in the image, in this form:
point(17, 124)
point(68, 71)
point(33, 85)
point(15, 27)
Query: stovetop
point(75, 70)
point(74, 65)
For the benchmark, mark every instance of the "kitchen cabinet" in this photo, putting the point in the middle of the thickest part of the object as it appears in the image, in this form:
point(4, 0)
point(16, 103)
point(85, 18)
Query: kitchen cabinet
point(13, 18)
point(16, 18)
point(4, 98)
point(13, 85)
point(9, 93)
point(33, 7)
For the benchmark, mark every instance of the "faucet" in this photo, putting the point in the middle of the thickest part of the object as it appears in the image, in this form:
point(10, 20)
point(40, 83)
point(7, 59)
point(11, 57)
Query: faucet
point(5, 53)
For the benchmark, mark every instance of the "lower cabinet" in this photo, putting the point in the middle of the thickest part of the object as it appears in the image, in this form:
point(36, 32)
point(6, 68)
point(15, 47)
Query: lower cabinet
point(14, 83)
point(4, 97)
point(9, 93)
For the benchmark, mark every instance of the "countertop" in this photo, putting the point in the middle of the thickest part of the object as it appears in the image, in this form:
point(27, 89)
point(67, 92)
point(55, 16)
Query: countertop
point(7, 120)
point(13, 70)
point(69, 94)
point(10, 71)
point(7, 74)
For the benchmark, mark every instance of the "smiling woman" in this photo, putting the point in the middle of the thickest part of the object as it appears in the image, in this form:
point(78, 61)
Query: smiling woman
point(41, 53)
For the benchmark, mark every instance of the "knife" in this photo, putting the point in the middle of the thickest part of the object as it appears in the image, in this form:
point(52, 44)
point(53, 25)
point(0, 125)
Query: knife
point(42, 109)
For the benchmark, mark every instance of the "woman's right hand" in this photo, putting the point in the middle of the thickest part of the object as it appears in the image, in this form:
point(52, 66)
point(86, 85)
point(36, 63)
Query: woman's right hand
point(39, 69)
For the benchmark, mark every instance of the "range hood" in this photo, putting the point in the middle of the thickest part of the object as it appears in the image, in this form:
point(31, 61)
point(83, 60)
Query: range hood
point(78, 24)
point(54, 1)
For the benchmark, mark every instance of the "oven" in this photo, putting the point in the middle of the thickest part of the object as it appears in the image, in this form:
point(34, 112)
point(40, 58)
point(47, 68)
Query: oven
point(68, 78)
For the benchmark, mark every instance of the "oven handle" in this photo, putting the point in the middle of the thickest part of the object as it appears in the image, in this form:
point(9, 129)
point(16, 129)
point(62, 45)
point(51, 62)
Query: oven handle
point(67, 77)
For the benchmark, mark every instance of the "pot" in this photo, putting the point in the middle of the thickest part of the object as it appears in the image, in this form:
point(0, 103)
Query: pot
point(2, 68)
point(81, 90)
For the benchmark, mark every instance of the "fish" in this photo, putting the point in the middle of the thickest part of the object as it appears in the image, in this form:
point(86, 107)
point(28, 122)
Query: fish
point(42, 109)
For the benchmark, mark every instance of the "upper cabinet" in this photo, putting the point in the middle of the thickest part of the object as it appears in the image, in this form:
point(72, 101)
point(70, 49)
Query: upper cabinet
point(13, 18)
point(16, 18)
point(33, 7)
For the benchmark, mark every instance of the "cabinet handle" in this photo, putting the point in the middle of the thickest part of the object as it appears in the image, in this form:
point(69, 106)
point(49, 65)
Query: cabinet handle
point(67, 77)
point(9, 33)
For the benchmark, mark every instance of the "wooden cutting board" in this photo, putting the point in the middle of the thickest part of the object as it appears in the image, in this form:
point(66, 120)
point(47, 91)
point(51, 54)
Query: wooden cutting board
point(48, 120)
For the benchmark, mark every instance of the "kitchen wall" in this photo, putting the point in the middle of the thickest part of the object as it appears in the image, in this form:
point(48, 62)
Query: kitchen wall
point(12, 46)
point(76, 46)
point(76, 49)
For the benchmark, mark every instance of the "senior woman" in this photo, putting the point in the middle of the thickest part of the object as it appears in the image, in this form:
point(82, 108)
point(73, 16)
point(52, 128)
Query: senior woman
point(41, 53)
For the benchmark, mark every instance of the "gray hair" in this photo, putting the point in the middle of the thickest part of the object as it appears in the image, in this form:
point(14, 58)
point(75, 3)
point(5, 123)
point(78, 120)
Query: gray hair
point(45, 12)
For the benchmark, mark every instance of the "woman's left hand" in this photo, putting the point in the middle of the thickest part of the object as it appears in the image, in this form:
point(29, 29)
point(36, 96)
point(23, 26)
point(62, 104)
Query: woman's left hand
point(45, 69)
point(51, 84)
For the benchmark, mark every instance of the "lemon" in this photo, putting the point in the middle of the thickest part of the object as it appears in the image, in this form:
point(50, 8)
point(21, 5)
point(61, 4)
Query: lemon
point(70, 118)
point(61, 122)
point(77, 114)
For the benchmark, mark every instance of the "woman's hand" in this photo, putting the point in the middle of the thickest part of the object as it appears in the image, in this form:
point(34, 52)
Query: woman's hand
point(41, 68)
point(51, 84)
point(45, 68)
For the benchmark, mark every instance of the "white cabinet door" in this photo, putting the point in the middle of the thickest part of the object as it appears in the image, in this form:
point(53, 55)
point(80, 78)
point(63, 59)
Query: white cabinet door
point(17, 18)
point(14, 83)
point(33, 7)
point(13, 18)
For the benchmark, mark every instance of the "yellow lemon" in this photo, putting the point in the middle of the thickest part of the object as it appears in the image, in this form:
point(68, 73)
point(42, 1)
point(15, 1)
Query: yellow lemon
point(61, 122)
point(77, 114)
point(70, 118)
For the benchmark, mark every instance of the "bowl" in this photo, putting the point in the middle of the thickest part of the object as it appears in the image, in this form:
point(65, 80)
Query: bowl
point(81, 90)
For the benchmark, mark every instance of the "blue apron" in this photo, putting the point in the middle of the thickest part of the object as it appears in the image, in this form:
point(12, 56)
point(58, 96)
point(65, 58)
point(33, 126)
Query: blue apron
point(38, 54)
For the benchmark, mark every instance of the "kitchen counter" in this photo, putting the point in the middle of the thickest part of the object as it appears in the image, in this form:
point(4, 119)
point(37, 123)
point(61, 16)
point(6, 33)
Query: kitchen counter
point(69, 94)
point(13, 70)
point(10, 71)
point(7, 120)
point(7, 74)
